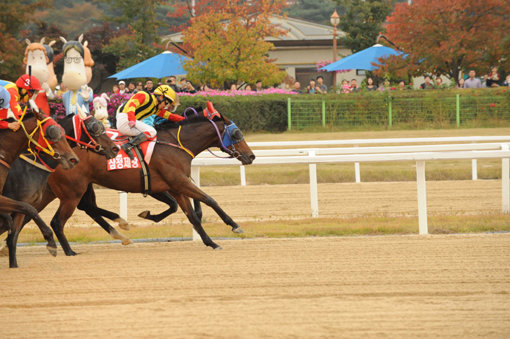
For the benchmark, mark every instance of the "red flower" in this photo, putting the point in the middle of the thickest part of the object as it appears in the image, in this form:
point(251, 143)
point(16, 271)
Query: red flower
point(492, 104)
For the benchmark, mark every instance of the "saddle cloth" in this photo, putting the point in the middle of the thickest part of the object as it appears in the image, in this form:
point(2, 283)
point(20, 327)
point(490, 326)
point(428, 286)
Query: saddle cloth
point(122, 160)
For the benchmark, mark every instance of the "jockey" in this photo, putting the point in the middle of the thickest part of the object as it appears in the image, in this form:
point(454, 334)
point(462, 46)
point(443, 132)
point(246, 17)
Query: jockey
point(22, 91)
point(140, 106)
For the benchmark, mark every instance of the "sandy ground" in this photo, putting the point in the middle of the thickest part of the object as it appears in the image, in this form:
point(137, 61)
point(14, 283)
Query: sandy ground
point(342, 200)
point(378, 286)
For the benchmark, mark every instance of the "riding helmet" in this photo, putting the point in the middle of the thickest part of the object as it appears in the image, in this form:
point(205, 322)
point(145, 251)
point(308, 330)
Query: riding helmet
point(28, 82)
point(166, 91)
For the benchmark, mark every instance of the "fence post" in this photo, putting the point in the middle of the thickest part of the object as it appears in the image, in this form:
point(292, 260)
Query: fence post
point(390, 113)
point(289, 121)
point(457, 109)
point(474, 169)
point(314, 199)
point(505, 167)
point(123, 205)
point(243, 175)
point(323, 112)
point(422, 197)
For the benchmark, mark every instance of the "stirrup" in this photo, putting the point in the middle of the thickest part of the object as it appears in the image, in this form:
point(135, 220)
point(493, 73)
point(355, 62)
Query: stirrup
point(128, 148)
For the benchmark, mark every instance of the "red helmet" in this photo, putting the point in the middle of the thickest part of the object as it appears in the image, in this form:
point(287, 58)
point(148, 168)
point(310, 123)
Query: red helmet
point(28, 82)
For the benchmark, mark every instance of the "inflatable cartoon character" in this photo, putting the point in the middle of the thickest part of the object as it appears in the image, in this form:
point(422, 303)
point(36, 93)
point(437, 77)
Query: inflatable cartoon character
point(101, 109)
point(77, 74)
point(39, 62)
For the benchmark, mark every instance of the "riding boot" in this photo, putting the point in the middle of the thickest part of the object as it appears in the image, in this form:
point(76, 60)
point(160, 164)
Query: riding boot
point(127, 147)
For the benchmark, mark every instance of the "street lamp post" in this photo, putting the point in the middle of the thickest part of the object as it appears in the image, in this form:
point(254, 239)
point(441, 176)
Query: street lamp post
point(335, 20)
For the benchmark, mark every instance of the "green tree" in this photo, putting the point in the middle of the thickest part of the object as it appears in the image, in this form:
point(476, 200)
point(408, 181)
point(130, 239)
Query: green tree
point(318, 11)
point(140, 16)
point(362, 22)
point(129, 51)
point(141, 40)
point(228, 43)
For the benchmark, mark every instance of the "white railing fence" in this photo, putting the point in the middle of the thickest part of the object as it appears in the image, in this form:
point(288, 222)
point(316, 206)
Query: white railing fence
point(474, 148)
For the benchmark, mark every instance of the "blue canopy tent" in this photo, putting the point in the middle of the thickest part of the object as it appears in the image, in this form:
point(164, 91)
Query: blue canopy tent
point(362, 59)
point(159, 66)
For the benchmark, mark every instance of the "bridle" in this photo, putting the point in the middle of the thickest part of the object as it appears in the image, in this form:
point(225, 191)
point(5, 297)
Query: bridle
point(41, 125)
point(96, 132)
point(231, 136)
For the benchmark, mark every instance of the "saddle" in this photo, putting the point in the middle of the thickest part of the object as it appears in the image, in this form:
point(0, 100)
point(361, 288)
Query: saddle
point(142, 158)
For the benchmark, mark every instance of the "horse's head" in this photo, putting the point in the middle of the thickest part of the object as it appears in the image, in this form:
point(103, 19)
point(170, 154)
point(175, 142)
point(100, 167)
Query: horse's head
point(235, 144)
point(52, 141)
point(75, 74)
point(88, 132)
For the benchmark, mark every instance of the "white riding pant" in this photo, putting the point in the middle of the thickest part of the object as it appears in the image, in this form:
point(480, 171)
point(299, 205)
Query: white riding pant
point(140, 127)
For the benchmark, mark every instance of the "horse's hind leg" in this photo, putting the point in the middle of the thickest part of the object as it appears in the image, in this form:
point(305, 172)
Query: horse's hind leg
point(88, 202)
point(166, 198)
point(185, 204)
point(93, 213)
point(8, 205)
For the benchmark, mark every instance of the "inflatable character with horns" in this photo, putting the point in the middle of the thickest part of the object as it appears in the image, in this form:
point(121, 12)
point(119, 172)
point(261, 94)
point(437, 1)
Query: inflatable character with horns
point(77, 74)
point(39, 60)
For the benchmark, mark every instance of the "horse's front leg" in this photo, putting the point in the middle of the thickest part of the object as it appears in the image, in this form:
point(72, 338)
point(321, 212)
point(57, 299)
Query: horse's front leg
point(64, 212)
point(185, 204)
point(192, 191)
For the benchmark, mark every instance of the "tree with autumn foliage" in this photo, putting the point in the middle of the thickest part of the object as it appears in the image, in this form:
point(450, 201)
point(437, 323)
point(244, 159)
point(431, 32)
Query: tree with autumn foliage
point(226, 41)
point(450, 36)
point(14, 15)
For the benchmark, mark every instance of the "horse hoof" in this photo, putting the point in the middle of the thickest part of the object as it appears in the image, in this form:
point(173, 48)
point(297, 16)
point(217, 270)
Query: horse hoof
point(218, 248)
point(144, 214)
point(52, 250)
point(122, 223)
point(126, 242)
point(71, 254)
point(237, 229)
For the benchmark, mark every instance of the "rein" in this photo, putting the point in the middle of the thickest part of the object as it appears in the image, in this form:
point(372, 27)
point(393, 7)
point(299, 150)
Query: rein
point(49, 150)
point(233, 154)
point(5, 163)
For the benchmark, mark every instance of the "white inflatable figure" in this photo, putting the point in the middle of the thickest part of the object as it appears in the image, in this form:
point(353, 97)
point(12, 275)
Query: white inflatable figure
point(77, 74)
point(38, 58)
point(101, 109)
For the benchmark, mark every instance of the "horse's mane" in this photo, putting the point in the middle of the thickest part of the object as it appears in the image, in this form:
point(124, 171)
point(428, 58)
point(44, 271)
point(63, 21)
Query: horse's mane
point(64, 119)
point(190, 120)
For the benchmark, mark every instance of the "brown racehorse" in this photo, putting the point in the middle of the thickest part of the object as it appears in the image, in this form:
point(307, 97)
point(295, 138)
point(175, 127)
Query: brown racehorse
point(47, 135)
point(170, 169)
point(27, 179)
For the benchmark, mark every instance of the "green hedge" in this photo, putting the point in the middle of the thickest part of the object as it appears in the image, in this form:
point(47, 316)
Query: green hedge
point(488, 107)
point(250, 113)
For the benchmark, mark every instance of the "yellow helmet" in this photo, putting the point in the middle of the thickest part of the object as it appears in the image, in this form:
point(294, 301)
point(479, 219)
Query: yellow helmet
point(166, 91)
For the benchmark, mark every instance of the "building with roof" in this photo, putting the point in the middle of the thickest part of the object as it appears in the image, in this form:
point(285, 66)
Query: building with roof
point(306, 45)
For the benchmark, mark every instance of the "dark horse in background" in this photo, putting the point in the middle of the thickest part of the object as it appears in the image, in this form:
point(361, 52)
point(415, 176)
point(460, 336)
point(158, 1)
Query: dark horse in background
point(170, 170)
point(47, 136)
point(28, 177)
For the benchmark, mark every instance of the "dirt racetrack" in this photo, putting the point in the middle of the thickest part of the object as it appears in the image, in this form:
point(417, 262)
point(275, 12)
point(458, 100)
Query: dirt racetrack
point(340, 200)
point(377, 286)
